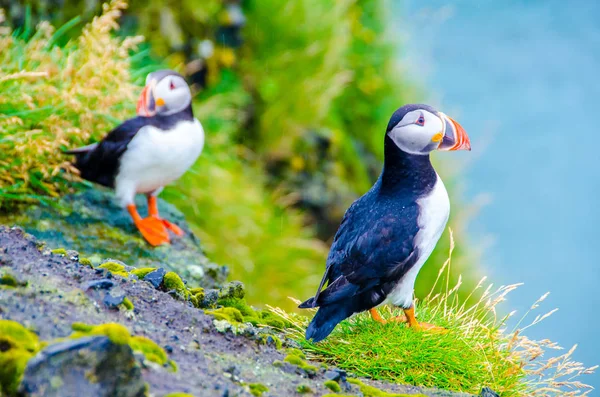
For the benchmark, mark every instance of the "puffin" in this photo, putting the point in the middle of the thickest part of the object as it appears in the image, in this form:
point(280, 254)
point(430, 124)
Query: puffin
point(386, 235)
point(147, 152)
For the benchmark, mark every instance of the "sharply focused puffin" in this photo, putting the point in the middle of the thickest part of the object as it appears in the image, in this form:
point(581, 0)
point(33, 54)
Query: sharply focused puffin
point(147, 152)
point(387, 235)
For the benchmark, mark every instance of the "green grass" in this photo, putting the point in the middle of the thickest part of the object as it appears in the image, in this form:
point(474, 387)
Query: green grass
point(54, 97)
point(475, 350)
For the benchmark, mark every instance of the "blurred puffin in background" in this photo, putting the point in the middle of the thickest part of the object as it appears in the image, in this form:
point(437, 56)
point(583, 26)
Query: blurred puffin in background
point(387, 235)
point(147, 152)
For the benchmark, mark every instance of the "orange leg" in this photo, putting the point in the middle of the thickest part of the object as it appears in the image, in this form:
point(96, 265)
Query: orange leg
point(376, 316)
point(153, 212)
point(153, 230)
point(413, 323)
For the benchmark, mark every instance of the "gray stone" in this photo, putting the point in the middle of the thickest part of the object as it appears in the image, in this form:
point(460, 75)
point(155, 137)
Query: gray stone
point(336, 375)
point(99, 284)
point(487, 392)
point(156, 277)
point(113, 301)
point(89, 366)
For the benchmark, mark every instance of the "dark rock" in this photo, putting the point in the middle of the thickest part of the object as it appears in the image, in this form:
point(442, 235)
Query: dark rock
point(99, 284)
point(169, 349)
point(335, 375)
point(73, 255)
point(156, 277)
point(90, 366)
point(211, 296)
point(113, 302)
point(232, 372)
point(487, 392)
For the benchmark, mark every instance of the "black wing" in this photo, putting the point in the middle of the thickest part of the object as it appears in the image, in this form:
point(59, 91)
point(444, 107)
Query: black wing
point(101, 163)
point(372, 250)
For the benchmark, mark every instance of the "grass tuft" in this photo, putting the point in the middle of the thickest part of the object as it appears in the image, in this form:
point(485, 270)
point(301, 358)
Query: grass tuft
point(57, 97)
point(476, 351)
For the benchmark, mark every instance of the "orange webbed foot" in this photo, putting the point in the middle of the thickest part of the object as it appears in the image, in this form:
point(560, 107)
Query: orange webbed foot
point(412, 322)
point(430, 328)
point(153, 230)
point(172, 227)
point(153, 212)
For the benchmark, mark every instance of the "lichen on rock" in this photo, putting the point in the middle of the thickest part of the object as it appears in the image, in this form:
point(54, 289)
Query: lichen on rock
point(119, 334)
point(89, 366)
point(93, 223)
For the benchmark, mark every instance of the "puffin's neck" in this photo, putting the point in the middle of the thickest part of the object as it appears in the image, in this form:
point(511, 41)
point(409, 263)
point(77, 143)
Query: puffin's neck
point(405, 172)
point(170, 120)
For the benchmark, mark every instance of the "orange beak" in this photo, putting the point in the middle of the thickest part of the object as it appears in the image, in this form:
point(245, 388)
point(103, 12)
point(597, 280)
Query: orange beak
point(455, 136)
point(146, 105)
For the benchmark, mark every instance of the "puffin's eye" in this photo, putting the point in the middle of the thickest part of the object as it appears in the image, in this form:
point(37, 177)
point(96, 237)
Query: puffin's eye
point(172, 86)
point(420, 121)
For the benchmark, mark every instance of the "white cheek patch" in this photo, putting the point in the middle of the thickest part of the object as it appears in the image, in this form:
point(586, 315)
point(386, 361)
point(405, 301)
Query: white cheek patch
point(408, 138)
point(416, 139)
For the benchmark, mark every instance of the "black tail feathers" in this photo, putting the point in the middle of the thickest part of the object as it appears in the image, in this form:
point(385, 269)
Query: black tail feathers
point(326, 319)
point(308, 304)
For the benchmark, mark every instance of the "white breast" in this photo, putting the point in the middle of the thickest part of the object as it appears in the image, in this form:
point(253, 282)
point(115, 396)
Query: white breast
point(433, 216)
point(155, 158)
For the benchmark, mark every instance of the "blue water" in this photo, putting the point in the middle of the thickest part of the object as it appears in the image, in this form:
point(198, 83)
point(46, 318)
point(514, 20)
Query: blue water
point(523, 78)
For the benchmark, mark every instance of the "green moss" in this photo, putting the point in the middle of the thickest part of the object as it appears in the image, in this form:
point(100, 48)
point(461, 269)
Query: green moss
point(172, 282)
point(197, 296)
point(229, 314)
point(150, 349)
point(241, 305)
point(332, 385)
point(142, 272)
point(273, 320)
point(18, 345)
point(257, 389)
point(303, 389)
point(128, 304)
point(370, 391)
point(86, 262)
point(115, 268)
point(294, 359)
point(119, 334)
point(178, 395)
point(82, 327)
point(296, 352)
point(15, 334)
point(8, 280)
point(278, 363)
point(59, 251)
point(197, 291)
point(264, 339)
point(173, 365)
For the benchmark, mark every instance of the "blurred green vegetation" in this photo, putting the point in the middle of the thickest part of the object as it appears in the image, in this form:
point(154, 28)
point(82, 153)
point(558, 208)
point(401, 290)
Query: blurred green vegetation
point(294, 98)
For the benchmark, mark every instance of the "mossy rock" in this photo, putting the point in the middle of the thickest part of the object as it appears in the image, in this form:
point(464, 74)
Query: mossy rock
point(93, 223)
point(17, 346)
point(119, 334)
point(88, 366)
